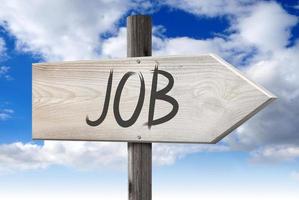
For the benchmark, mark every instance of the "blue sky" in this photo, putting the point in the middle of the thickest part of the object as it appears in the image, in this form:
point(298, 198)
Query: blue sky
point(259, 160)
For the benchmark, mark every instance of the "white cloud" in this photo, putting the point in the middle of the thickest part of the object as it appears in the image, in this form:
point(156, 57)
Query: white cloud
point(189, 45)
point(61, 29)
point(2, 47)
point(6, 114)
point(116, 47)
point(167, 154)
point(86, 155)
point(267, 26)
point(295, 175)
point(4, 73)
point(275, 153)
point(211, 8)
point(4, 70)
point(81, 155)
point(275, 66)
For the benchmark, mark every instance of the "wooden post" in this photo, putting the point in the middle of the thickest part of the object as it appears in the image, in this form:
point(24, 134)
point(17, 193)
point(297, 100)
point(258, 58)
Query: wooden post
point(139, 43)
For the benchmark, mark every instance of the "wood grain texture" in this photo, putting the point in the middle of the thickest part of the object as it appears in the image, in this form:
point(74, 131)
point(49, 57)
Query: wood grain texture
point(139, 43)
point(139, 36)
point(214, 98)
point(140, 171)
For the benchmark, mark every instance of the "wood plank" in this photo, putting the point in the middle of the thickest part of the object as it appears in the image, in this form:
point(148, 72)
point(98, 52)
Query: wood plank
point(214, 98)
point(139, 43)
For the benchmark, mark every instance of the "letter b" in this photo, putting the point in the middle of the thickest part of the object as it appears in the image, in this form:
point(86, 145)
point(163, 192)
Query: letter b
point(162, 95)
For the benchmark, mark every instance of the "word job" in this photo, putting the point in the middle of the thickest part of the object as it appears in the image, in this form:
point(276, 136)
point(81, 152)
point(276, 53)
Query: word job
point(161, 95)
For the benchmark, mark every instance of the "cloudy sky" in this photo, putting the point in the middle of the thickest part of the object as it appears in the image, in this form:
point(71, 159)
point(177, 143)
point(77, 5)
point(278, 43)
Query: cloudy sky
point(260, 160)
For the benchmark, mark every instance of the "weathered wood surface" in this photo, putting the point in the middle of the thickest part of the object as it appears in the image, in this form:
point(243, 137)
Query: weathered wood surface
point(214, 98)
point(139, 43)
point(140, 171)
point(139, 36)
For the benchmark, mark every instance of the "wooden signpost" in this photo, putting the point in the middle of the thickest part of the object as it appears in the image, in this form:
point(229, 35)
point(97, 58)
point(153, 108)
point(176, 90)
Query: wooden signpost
point(196, 99)
point(190, 99)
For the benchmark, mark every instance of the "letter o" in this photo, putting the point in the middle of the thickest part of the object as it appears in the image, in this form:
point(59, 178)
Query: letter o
point(134, 117)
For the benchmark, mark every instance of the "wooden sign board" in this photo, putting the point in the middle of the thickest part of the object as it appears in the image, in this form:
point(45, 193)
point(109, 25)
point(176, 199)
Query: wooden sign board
point(192, 99)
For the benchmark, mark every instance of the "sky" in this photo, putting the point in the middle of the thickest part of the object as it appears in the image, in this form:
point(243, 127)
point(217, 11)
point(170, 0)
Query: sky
point(259, 160)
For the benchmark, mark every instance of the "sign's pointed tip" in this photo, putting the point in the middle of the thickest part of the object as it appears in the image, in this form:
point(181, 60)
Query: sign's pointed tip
point(271, 96)
point(271, 99)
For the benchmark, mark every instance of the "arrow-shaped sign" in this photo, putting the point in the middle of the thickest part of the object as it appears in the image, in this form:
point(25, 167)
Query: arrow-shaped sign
point(196, 99)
